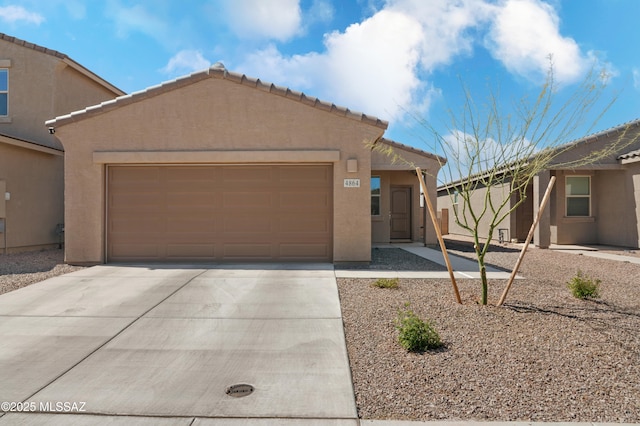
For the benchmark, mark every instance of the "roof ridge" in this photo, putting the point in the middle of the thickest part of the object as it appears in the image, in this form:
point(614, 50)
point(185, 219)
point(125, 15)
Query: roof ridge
point(33, 46)
point(63, 57)
point(413, 149)
point(219, 71)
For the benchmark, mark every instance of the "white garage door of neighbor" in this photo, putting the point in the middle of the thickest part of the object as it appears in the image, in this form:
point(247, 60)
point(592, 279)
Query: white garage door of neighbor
point(219, 213)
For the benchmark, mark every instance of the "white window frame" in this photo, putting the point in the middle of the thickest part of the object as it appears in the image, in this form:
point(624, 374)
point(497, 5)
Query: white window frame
point(567, 196)
point(379, 196)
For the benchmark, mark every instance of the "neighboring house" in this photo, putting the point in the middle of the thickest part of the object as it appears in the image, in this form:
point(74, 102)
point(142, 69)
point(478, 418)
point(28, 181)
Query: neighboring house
point(594, 204)
point(35, 84)
point(217, 166)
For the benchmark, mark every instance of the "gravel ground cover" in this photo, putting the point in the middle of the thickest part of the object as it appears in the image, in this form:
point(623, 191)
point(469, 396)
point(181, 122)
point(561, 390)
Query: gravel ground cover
point(544, 356)
point(397, 260)
point(21, 269)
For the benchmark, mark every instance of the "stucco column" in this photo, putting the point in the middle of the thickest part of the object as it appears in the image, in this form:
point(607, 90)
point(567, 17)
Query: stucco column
point(542, 234)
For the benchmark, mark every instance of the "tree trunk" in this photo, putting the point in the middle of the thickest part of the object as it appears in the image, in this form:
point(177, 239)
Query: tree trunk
point(485, 287)
point(483, 276)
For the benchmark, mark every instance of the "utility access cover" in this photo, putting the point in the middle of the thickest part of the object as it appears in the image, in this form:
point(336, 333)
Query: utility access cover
point(240, 390)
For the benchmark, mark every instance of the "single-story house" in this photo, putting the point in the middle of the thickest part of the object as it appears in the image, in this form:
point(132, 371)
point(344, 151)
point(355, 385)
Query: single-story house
point(597, 203)
point(220, 167)
point(37, 83)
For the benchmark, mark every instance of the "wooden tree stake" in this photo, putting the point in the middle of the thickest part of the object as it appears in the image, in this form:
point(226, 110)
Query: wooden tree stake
point(434, 219)
point(543, 204)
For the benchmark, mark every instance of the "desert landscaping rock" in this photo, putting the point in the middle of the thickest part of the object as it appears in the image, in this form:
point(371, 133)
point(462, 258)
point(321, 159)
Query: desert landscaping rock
point(21, 269)
point(544, 356)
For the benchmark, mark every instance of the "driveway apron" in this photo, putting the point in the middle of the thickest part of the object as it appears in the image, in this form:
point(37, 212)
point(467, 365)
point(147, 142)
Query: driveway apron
point(174, 341)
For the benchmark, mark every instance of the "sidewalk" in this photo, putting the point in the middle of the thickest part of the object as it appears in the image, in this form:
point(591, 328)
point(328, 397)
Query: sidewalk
point(463, 268)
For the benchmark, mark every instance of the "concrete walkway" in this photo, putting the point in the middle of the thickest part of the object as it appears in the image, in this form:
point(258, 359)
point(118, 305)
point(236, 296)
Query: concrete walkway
point(463, 268)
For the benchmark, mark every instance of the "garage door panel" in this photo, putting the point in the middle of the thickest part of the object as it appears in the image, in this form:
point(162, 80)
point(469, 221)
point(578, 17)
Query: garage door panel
point(137, 250)
point(246, 199)
point(309, 225)
point(190, 224)
point(219, 213)
point(145, 200)
point(136, 225)
point(182, 201)
point(247, 224)
point(190, 251)
point(305, 200)
point(239, 176)
point(247, 251)
point(306, 175)
point(136, 177)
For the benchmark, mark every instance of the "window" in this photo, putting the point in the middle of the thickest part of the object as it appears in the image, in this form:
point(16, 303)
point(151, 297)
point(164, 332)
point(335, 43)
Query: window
point(375, 195)
point(4, 92)
point(578, 195)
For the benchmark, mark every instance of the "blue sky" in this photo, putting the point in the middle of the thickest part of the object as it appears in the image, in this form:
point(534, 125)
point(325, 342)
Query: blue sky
point(386, 58)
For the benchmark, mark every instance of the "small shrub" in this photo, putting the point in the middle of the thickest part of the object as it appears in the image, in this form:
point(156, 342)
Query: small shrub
point(386, 283)
point(416, 335)
point(584, 287)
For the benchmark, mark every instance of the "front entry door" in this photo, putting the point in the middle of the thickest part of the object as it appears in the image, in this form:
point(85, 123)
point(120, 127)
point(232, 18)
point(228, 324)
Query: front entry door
point(400, 214)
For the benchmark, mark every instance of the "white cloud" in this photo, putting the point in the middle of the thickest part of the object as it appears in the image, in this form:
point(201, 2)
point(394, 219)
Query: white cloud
point(320, 11)
point(368, 68)
point(273, 19)
point(373, 66)
point(185, 62)
point(14, 14)
point(526, 33)
point(445, 26)
point(468, 154)
point(138, 19)
point(382, 64)
point(636, 78)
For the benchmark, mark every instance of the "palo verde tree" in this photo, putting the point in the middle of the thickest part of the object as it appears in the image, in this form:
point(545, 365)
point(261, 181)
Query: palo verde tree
point(494, 151)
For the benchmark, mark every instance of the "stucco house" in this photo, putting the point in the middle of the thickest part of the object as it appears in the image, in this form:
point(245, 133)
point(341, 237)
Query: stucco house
point(35, 84)
point(217, 166)
point(597, 203)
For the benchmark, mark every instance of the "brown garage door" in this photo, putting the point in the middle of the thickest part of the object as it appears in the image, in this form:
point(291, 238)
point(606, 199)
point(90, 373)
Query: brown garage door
point(219, 213)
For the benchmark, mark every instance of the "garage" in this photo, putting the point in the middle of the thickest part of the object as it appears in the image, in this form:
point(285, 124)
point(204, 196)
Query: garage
point(219, 213)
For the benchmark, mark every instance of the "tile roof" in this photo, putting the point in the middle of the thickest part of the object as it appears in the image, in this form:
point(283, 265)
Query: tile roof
point(399, 145)
point(220, 72)
point(63, 58)
point(608, 132)
point(629, 155)
point(612, 131)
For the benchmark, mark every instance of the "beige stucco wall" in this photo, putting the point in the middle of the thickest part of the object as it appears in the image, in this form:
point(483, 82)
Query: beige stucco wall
point(573, 230)
point(214, 115)
point(41, 86)
point(35, 182)
point(401, 172)
point(498, 194)
point(614, 212)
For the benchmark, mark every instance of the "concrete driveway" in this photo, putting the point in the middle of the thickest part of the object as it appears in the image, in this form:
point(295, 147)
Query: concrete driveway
point(164, 344)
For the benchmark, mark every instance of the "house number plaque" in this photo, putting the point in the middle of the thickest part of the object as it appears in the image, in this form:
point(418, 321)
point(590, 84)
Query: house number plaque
point(352, 183)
